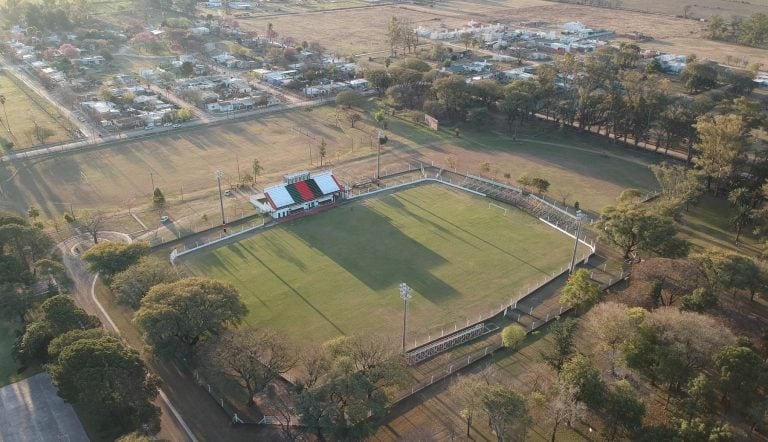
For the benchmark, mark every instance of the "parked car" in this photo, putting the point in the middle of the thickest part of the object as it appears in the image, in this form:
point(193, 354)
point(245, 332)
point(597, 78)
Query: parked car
point(165, 219)
point(227, 193)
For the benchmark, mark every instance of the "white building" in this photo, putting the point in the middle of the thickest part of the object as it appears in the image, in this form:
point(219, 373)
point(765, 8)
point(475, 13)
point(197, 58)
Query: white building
point(298, 192)
point(359, 84)
point(200, 30)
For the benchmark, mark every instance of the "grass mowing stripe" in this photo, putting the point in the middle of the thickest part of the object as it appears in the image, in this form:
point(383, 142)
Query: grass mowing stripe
point(338, 271)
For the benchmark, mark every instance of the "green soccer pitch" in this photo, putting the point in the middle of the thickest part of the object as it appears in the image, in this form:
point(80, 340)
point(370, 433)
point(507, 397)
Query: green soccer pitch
point(337, 272)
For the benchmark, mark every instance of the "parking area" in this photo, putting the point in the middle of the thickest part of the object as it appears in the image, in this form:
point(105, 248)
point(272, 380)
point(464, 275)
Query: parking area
point(30, 410)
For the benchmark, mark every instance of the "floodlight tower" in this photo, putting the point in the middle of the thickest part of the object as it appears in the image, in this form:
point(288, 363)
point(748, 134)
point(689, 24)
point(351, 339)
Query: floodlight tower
point(219, 176)
point(405, 295)
point(579, 217)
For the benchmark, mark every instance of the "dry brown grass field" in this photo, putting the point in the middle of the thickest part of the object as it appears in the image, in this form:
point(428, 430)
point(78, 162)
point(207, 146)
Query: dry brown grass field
point(363, 30)
point(23, 112)
point(119, 177)
point(699, 8)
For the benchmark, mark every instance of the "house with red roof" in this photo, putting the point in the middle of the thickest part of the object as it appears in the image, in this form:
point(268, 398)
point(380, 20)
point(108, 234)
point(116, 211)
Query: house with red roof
point(298, 192)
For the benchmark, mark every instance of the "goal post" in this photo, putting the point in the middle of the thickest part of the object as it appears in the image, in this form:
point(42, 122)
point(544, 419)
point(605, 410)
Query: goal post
point(498, 207)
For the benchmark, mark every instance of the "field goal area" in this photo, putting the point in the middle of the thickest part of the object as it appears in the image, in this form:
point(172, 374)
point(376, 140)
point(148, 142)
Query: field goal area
point(498, 208)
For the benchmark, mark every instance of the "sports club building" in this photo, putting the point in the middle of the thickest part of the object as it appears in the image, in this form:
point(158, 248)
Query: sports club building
point(298, 192)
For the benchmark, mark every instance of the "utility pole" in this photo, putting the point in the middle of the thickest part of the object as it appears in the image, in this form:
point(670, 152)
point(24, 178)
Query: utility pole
point(219, 176)
point(579, 215)
point(378, 154)
point(237, 160)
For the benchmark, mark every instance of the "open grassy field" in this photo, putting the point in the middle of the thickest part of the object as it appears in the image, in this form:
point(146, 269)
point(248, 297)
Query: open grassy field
point(699, 9)
point(117, 178)
point(362, 31)
point(22, 113)
point(338, 272)
point(707, 224)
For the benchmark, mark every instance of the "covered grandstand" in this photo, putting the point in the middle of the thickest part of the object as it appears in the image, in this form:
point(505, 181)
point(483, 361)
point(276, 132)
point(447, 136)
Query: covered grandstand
point(298, 192)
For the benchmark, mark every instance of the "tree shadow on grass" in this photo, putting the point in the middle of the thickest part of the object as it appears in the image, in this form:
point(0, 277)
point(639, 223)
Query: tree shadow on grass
point(371, 248)
point(397, 203)
point(521, 260)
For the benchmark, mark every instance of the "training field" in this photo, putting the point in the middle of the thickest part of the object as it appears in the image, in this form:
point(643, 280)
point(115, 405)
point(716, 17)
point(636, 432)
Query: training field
point(337, 272)
point(23, 113)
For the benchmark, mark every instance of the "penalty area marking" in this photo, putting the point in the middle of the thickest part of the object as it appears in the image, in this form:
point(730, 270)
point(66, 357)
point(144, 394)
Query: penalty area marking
point(490, 205)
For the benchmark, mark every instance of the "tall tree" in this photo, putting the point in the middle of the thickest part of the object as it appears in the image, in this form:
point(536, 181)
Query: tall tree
point(379, 79)
point(634, 228)
point(506, 411)
point(625, 411)
point(512, 335)
point(665, 281)
point(133, 283)
point(58, 315)
point(110, 382)
point(740, 373)
point(579, 372)
point(698, 77)
point(680, 186)
point(558, 405)
point(453, 93)
point(563, 334)
point(353, 388)
point(468, 392)
point(175, 317)
point(113, 257)
point(673, 345)
point(727, 271)
point(92, 222)
point(15, 302)
point(743, 202)
point(722, 146)
point(253, 357)
point(580, 291)
point(26, 244)
point(394, 35)
point(610, 326)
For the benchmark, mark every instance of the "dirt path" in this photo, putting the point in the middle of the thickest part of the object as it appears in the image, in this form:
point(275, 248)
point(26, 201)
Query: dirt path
point(173, 426)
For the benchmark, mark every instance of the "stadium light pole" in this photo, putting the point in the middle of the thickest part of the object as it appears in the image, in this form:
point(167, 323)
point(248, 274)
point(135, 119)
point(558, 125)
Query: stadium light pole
point(219, 176)
point(378, 154)
point(579, 216)
point(405, 295)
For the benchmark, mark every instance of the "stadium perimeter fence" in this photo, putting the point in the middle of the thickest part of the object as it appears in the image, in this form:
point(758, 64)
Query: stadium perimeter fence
point(455, 365)
point(546, 211)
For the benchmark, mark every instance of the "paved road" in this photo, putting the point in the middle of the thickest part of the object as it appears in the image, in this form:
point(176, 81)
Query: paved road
point(142, 134)
point(173, 426)
point(30, 410)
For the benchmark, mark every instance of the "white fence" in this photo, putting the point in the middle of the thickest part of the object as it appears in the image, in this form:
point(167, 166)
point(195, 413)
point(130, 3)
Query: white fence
point(175, 253)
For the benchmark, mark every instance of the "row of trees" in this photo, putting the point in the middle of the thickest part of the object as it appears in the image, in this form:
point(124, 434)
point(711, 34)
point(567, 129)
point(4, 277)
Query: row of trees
point(83, 360)
point(342, 387)
point(85, 365)
point(700, 363)
point(703, 367)
point(752, 31)
point(602, 93)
